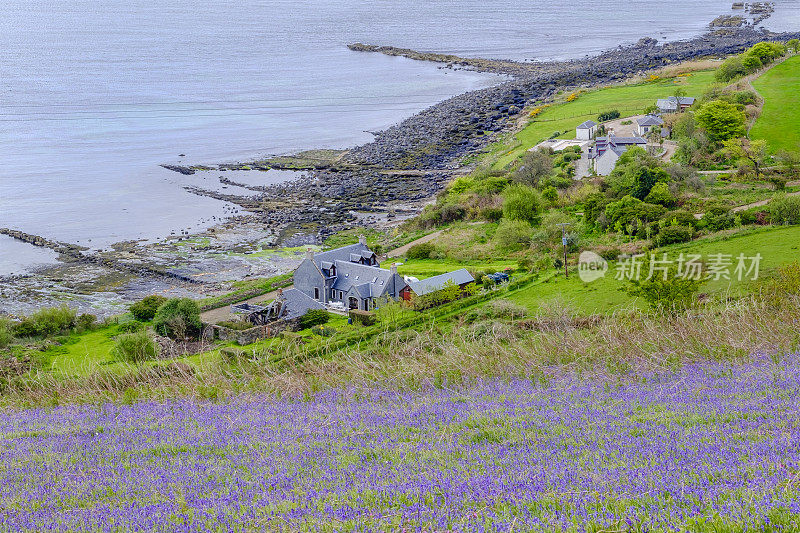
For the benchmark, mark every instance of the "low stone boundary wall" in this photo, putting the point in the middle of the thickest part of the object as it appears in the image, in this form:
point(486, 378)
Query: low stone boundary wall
point(256, 333)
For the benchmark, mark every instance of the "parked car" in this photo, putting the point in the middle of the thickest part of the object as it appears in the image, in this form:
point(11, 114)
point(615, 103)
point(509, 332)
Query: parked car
point(498, 277)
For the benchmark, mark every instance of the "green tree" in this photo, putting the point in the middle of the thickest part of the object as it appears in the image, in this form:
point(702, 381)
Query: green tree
point(752, 63)
point(721, 120)
point(536, 166)
point(753, 151)
point(794, 45)
point(665, 291)
point(645, 179)
point(522, 203)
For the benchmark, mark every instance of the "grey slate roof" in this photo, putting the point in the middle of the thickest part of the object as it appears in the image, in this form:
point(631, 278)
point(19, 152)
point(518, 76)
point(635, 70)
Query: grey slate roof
point(672, 102)
point(369, 281)
point(342, 254)
point(435, 283)
point(589, 124)
point(296, 304)
point(649, 120)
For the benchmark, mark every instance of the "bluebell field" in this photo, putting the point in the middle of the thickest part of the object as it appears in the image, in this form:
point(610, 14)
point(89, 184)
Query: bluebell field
point(699, 449)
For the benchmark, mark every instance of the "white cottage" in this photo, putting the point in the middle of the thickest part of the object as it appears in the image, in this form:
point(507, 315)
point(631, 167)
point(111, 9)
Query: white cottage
point(586, 131)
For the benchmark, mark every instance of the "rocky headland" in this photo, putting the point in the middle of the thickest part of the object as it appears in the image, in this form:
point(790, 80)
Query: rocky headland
point(380, 182)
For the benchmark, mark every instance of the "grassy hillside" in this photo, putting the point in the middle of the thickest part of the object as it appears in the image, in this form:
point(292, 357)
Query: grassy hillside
point(776, 246)
point(631, 99)
point(779, 122)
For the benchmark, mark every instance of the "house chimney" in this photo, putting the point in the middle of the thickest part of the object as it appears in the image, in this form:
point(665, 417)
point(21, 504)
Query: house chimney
point(394, 268)
point(309, 253)
point(362, 239)
point(280, 293)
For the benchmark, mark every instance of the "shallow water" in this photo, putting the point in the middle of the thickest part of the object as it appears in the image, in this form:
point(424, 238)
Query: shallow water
point(95, 95)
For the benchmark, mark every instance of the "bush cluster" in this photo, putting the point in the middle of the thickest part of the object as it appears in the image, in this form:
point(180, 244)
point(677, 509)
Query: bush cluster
point(178, 318)
point(136, 347)
point(314, 317)
point(145, 309)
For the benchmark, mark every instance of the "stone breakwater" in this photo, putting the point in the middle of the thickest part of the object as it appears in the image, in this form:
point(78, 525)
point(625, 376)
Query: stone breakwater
point(438, 137)
point(413, 160)
point(71, 253)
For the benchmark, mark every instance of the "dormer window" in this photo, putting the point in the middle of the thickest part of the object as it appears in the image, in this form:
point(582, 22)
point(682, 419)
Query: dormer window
point(374, 279)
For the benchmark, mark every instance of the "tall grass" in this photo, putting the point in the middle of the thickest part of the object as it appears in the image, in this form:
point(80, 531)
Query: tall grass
point(549, 347)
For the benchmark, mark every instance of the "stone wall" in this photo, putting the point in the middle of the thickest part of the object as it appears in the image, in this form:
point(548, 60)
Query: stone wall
point(254, 334)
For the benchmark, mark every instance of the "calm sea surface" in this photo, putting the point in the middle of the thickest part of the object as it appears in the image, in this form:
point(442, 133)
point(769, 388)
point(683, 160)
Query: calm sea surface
point(94, 95)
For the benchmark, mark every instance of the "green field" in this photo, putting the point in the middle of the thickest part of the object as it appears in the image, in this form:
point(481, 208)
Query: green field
point(776, 246)
point(627, 99)
point(779, 122)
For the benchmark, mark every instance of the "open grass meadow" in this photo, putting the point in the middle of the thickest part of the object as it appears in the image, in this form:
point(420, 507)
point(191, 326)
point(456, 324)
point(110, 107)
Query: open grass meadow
point(708, 448)
point(779, 122)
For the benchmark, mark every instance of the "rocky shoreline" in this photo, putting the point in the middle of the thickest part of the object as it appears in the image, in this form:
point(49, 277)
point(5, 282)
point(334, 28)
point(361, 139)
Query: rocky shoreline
point(380, 182)
point(413, 160)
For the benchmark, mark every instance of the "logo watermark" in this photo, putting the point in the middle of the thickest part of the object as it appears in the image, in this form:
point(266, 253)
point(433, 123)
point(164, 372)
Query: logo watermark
point(592, 267)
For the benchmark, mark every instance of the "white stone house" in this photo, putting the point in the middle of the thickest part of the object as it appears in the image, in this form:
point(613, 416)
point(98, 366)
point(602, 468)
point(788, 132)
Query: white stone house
point(586, 131)
point(607, 151)
point(648, 123)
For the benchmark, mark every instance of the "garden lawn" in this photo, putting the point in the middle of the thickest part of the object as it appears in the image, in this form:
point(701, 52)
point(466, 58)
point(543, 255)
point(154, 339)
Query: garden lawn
point(627, 99)
point(710, 448)
point(779, 122)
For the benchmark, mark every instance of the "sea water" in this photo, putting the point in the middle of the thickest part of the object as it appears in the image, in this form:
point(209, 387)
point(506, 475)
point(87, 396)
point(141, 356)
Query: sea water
point(95, 95)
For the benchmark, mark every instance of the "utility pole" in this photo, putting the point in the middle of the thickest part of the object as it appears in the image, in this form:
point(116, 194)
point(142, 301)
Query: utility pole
point(564, 243)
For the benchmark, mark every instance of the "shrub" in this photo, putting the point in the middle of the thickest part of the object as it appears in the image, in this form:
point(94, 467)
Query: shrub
point(608, 115)
point(492, 214)
point(785, 210)
point(130, 327)
point(323, 331)
point(365, 318)
point(46, 322)
point(673, 235)
point(314, 317)
point(422, 250)
point(730, 69)
point(6, 332)
point(85, 322)
point(522, 203)
point(513, 233)
point(178, 318)
point(679, 218)
point(145, 309)
point(135, 347)
point(550, 194)
point(660, 195)
point(670, 295)
point(630, 209)
point(232, 355)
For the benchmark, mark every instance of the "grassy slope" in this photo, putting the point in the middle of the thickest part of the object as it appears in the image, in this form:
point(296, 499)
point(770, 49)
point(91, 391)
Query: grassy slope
point(777, 246)
point(628, 99)
point(779, 123)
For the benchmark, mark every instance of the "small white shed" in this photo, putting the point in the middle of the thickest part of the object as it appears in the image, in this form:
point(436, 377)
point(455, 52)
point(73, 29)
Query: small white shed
point(586, 131)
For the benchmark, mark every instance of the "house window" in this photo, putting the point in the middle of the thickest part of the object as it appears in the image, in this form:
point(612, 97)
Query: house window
point(316, 293)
